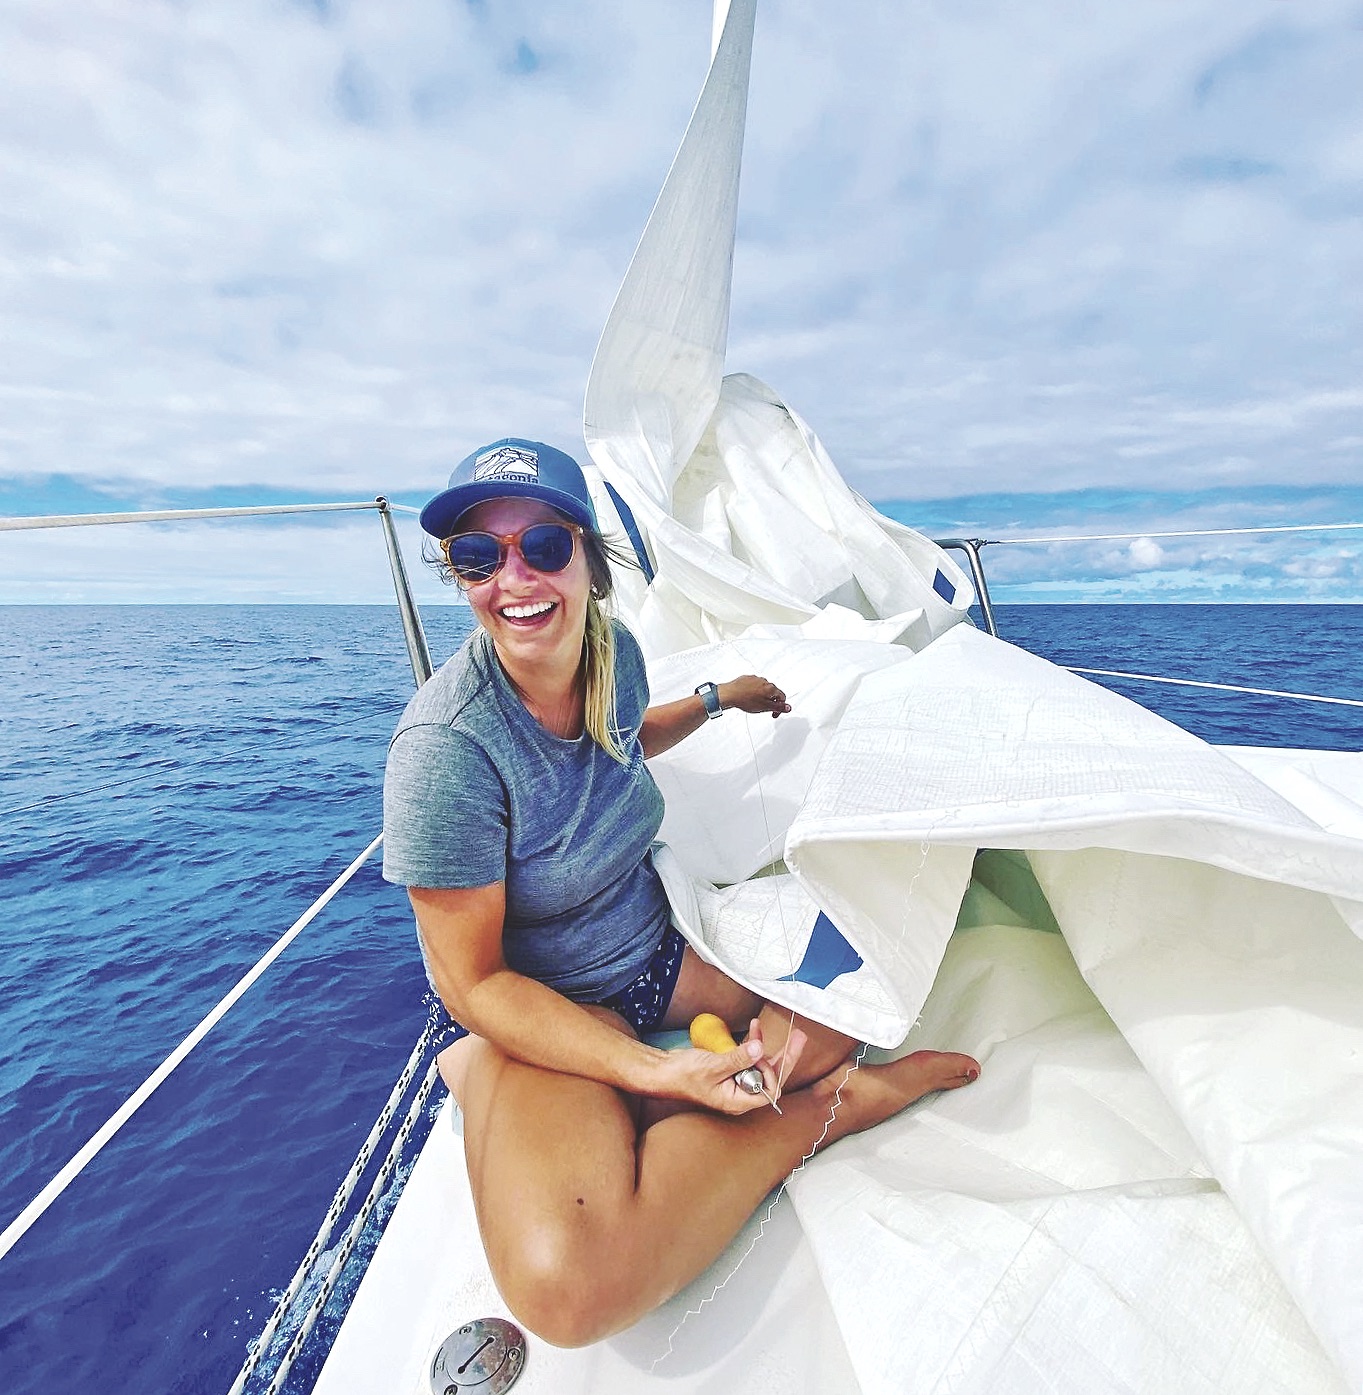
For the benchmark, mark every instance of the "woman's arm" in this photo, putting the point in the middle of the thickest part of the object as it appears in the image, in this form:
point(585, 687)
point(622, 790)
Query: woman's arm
point(663, 726)
point(462, 932)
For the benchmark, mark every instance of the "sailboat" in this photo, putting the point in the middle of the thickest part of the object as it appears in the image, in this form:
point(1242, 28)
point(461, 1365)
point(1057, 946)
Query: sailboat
point(1152, 944)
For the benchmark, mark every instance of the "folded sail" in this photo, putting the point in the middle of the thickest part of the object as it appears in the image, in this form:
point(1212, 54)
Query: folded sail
point(716, 475)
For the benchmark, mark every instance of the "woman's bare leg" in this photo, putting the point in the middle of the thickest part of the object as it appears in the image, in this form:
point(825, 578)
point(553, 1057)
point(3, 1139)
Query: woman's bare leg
point(588, 1224)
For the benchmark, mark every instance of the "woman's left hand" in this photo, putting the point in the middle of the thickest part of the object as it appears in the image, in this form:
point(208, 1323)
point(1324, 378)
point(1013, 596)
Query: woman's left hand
point(750, 693)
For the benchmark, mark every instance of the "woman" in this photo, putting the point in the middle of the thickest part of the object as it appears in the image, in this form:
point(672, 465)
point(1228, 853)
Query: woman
point(519, 814)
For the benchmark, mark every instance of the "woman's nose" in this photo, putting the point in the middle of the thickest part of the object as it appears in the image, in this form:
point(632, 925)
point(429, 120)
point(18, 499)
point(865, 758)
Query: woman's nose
point(516, 568)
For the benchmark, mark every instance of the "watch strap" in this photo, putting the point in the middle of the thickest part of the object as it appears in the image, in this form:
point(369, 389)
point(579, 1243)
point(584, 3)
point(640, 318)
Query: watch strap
point(709, 695)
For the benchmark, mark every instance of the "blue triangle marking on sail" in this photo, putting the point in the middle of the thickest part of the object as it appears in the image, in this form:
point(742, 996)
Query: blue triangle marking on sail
point(631, 529)
point(827, 956)
point(941, 583)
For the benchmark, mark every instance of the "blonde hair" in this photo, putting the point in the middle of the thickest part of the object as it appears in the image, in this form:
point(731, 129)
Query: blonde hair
point(598, 641)
point(598, 662)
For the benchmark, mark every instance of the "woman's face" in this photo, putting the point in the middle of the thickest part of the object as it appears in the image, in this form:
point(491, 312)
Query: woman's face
point(532, 617)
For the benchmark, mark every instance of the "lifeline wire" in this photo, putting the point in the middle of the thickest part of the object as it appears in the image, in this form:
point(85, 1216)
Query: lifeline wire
point(1220, 687)
point(31, 1213)
point(87, 520)
point(1178, 533)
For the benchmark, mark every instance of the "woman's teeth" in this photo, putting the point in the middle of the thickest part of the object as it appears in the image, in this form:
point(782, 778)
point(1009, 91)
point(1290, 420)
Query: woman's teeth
point(526, 612)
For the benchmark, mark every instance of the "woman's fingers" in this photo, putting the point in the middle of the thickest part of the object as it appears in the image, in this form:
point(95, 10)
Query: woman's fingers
point(788, 1057)
point(738, 1098)
point(769, 1068)
point(707, 1078)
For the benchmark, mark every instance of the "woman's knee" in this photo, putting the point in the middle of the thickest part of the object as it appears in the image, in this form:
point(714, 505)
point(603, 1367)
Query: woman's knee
point(453, 1063)
point(557, 1284)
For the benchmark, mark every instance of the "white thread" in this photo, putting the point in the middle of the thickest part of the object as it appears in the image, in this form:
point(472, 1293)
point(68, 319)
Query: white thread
point(780, 905)
point(762, 1224)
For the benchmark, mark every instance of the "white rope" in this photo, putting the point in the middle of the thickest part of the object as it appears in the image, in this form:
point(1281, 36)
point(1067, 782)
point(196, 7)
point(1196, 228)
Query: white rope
point(1180, 533)
point(24, 1221)
point(1220, 687)
point(84, 520)
point(338, 1204)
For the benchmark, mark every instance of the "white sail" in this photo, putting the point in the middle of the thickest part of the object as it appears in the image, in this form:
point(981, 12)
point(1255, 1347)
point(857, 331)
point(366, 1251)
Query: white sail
point(707, 465)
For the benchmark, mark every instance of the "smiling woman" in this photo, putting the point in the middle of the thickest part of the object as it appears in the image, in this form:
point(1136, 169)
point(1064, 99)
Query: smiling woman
point(520, 814)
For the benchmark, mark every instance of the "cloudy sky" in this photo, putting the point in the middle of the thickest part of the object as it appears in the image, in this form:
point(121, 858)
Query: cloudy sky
point(1026, 268)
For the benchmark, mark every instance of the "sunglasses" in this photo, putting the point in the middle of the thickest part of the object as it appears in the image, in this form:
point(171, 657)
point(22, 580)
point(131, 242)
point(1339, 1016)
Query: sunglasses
point(545, 547)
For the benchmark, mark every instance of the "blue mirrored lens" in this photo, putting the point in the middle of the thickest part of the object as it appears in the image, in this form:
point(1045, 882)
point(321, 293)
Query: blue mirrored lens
point(474, 556)
point(548, 547)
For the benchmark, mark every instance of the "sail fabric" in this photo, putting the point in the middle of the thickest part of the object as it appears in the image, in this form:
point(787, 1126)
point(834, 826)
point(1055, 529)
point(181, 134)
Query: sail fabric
point(1206, 912)
point(1053, 1229)
point(1214, 919)
point(655, 378)
point(760, 530)
point(710, 468)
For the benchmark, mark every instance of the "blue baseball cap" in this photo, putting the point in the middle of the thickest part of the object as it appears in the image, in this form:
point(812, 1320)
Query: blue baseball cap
point(511, 468)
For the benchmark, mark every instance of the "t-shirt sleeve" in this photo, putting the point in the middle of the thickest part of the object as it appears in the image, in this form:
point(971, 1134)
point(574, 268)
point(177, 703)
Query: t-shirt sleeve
point(444, 811)
point(631, 681)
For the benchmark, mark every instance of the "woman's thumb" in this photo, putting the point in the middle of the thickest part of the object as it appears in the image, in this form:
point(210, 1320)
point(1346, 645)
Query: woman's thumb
point(749, 1053)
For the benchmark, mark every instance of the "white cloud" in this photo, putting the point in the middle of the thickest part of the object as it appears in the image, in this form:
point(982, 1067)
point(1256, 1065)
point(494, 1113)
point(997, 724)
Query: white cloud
point(982, 247)
point(1146, 553)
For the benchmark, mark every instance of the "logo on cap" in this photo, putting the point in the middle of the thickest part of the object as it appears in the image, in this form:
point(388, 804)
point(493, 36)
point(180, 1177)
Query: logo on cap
point(507, 463)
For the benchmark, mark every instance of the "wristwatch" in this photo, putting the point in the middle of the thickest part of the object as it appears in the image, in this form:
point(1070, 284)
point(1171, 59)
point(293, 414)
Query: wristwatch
point(708, 693)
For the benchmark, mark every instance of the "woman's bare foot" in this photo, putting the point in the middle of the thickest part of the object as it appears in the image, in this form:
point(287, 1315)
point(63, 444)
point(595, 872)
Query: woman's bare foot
point(871, 1094)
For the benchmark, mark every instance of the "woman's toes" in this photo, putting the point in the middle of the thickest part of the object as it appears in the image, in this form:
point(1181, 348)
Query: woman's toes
point(944, 1070)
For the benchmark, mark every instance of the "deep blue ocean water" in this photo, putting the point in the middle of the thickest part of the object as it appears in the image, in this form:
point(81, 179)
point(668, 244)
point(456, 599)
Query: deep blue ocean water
point(178, 784)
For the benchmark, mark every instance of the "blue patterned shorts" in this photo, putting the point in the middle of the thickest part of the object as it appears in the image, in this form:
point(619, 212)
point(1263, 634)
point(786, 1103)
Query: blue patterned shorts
point(642, 1003)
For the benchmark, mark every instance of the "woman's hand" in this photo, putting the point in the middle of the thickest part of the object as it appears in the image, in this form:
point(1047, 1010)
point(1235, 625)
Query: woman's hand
point(706, 1078)
point(669, 722)
point(753, 694)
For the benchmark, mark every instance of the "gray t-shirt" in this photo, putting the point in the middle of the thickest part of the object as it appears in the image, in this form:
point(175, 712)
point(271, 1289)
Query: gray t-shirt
point(476, 791)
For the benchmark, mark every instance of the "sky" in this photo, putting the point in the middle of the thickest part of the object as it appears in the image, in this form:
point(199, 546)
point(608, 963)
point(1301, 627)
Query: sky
point(1051, 268)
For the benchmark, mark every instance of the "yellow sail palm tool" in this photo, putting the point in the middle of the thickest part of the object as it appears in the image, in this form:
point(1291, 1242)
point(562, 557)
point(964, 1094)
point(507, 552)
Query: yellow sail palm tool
point(711, 1033)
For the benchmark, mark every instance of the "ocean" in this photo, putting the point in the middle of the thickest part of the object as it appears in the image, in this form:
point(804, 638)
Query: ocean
point(178, 783)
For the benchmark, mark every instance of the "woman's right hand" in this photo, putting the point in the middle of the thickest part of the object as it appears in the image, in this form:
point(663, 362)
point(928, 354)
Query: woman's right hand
point(706, 1078)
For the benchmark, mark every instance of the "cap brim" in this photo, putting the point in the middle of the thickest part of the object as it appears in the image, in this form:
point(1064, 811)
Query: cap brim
point(439, 517)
